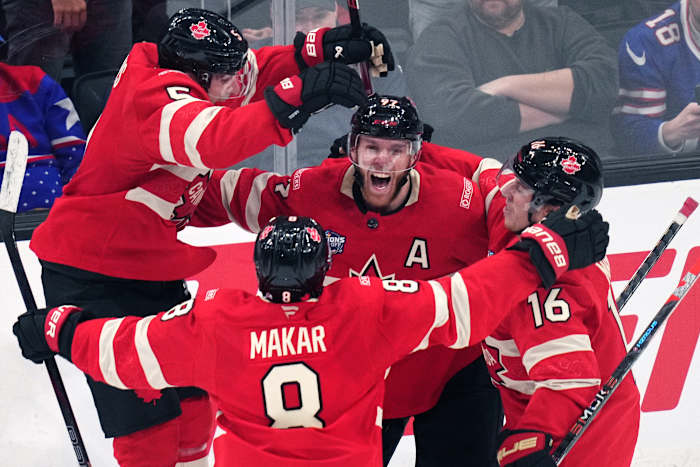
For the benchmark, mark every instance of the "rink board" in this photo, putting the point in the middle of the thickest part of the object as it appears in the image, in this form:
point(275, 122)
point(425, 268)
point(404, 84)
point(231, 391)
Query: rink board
point(668, 374)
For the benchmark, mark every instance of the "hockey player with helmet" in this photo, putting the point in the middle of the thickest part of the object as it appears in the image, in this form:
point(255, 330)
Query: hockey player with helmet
point(297, 371)
point(554, 350)
point(198, 100)
point(389, 215)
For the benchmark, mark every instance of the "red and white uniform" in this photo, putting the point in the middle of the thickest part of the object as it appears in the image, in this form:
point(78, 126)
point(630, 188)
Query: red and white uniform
point(550, 356)
point(147, 164)
point(449, 222)
point(301, 384)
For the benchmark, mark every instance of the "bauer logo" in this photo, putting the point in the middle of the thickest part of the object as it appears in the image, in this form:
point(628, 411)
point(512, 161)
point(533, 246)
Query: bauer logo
point(336, 242)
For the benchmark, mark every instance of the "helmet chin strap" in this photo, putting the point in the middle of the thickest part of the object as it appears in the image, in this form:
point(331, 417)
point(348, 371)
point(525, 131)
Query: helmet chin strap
point(535, 205)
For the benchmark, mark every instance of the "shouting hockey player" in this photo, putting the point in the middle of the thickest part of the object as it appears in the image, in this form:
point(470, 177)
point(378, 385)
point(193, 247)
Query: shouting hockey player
point(389, 215)
point(298, 374)
point(199, 100)
point(554, 350)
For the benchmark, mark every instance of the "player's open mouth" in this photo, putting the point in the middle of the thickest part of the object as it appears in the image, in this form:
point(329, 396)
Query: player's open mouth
point(380, 181)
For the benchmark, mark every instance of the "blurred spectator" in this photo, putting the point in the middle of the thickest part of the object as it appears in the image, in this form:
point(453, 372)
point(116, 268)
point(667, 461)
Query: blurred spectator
point(423, 12)
point(659, 59)
point(320, 130)
point(499, 70)
point(33, 103)
point(42, 32)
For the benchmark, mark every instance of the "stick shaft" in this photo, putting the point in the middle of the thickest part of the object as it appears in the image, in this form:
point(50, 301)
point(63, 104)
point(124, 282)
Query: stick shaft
point(354, 11)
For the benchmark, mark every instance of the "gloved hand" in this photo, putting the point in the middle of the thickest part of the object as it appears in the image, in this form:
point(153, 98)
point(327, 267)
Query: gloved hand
point(339, 44)
point(294, 99)
point(558, 243)
point(47, 331)
point(524, 448)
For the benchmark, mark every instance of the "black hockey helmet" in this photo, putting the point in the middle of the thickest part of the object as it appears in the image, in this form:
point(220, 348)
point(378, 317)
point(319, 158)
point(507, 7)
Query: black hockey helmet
point(202, 42)
point(560, 171)
point(291, 259)
point(385, 116)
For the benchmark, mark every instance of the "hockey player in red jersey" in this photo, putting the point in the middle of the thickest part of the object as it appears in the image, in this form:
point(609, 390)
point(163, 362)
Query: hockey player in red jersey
point(389, 215)
point(198, 100)
point(554, 350)
point(297, 373)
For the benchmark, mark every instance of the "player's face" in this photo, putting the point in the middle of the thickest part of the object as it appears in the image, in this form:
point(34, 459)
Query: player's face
point(225, 86)
point(497, 13)
point(518, 198)
point(382, 163)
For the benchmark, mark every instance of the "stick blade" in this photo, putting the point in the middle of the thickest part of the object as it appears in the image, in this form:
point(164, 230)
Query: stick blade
point(689, 206)
point(15, 166)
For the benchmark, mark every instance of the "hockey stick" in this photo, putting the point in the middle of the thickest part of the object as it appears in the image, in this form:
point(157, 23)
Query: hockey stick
point(354, 10)
point(603, 395)
point(16, 163)
point(686, 210)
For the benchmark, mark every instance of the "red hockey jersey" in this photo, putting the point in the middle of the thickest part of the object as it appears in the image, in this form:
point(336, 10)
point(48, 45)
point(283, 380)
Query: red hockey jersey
point(550, 356)
point(445, 225)
point(147, 164)
point(301, 384)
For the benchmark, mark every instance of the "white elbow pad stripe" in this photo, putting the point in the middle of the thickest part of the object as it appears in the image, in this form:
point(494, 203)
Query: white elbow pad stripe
point(252, 208)
point(228, 187)
point(506, 348)
point(441, 313)
point(108, 365)
point(149, 362)
point(194, 132)
point(166, 117)
point(462, 313)
point(565, 384)
point(561, 346)
point(155, 203)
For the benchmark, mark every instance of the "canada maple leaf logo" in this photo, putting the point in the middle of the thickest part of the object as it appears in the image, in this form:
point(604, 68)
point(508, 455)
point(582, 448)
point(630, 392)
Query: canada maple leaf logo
point(200, 30)
point(570, 165)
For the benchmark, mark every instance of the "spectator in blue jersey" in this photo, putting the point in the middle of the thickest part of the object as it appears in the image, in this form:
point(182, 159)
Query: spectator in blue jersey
point(659, 62)
point(33, 103)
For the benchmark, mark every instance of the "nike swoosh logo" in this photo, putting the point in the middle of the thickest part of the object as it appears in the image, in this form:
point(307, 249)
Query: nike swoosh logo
point(638, 60)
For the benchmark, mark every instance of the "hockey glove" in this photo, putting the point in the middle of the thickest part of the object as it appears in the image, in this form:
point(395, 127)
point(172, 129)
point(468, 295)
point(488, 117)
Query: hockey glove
point(558, 243)
point(45, 332)
point(294, 99)
point(339, 44)
point(524, 448)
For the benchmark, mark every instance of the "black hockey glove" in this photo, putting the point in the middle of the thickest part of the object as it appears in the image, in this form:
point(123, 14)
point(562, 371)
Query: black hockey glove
point(47, 331)
point(294, 99)
point(524, 448)
point(558, 243)
point(339, 44)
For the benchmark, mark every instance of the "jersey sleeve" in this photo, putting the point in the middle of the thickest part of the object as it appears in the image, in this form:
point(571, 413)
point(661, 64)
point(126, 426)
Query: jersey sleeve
point(179, 125)
point(63, 128)
point(641, 106)
point(552, 336)
point(170, 349)
point(458, 310)
point(483, 172)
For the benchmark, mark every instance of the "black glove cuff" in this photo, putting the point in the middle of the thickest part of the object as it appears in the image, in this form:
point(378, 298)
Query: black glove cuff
point(289, 116)
point(538, 259)
point(299, 40)
point(65, 339)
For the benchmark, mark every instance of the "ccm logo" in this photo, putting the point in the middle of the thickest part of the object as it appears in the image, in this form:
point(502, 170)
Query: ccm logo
point(546, 240)
point(522, 445)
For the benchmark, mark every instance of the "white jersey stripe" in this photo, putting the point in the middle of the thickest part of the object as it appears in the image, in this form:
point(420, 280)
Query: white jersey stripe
point(183, 172)
point(462, 313)
point(252, 207)
point(194, 132)
point(108, 366)
point(528, 387)
point(149, 362)
point(441, 313)
point(641, 110)
point(506, 348)
point(659, 94)
point(65, 139)
point(554, 347)
point(228, 187)
point(166, 117)
point(156, 204)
